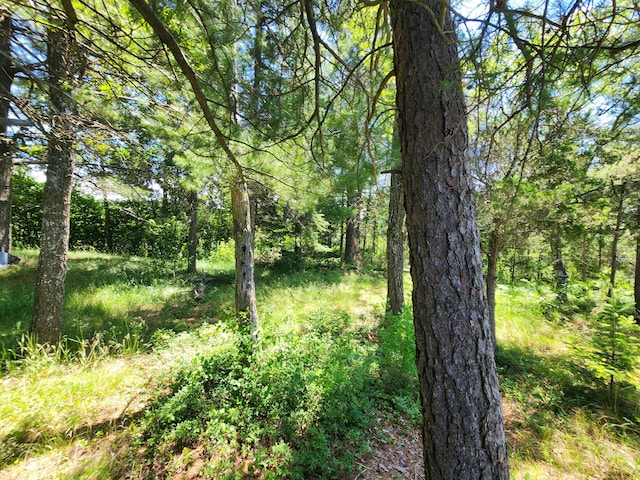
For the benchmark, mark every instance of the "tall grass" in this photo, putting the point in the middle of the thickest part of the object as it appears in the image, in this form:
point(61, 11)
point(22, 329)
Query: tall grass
point(297, 404)
point(560, 422)
point(152, 382)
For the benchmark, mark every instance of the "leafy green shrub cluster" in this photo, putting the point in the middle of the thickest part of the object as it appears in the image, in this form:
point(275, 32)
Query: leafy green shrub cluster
point(398, 373)
point(574, 300)
point(147, 227)
point(296, 404)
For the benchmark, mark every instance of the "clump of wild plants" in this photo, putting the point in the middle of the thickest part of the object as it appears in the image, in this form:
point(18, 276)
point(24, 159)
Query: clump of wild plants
point(612, 351)
point(293, 405)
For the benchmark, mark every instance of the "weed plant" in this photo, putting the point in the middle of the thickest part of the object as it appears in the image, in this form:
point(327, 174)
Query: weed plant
point(296, 407)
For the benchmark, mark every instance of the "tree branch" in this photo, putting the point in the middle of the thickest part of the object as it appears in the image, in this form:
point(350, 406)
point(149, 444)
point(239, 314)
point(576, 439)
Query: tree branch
point(16, 122)
point(167, 38)
point(308, 8)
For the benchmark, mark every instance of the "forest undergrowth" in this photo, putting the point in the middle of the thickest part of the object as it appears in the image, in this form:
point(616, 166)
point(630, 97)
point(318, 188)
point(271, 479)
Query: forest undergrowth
point(153, 381)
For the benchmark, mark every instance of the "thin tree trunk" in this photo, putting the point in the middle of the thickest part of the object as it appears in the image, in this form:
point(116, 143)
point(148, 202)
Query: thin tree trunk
point(600, 254)
point(244, 236)
point(192, 244)
point(352, 254)
point(365, 225)
point(7, 73)
point(395, 246)
point(492, 279)
point(46, 323)
point(463, 431)
point(108, 229)
point(374, 236)
point(636, 277)
point(562, 278)
point(614, 243)
point(342, 225)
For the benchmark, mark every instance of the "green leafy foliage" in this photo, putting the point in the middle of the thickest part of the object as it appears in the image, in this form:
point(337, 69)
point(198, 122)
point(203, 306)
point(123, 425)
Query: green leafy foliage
point(187, 389)
point(145, 227)
point(301, 402)
point(26, 210)
point(613, 351)
point(399, 377)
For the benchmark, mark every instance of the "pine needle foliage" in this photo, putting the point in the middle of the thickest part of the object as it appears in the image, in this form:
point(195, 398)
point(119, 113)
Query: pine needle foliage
point(613, 348)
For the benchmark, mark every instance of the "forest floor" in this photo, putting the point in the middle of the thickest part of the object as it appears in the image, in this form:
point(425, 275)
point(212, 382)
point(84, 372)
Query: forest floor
point(396, 453)
point(109, 404)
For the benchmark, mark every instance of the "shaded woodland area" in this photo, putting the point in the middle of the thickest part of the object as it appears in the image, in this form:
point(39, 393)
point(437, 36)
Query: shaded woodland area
point(282, 229)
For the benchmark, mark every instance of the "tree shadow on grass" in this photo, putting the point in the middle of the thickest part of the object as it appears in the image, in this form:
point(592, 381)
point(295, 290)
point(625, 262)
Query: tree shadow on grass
point(94, 284)
point(89, 277)
point(544, 391)
point(300, 402)
point(31, 440)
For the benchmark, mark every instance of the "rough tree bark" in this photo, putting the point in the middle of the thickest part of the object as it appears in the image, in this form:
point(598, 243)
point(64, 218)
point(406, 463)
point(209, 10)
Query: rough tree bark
point(243, 233)
point(46, 323)
point(463, 431)
point(395, 245)
point(7, 73)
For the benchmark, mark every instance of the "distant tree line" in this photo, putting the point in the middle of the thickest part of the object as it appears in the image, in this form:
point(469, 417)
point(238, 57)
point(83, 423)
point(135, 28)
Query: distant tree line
point(149, 227)
point(157, 225)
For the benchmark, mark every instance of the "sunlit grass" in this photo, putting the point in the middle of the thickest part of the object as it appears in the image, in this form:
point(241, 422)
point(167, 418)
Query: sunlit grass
point(287, 302)
point(577, 448)
point(74, 414)
point(97, 459)
point(558, 426)
point(70, 420)
point(53, 413)
point(519, 319)
point(55, 401)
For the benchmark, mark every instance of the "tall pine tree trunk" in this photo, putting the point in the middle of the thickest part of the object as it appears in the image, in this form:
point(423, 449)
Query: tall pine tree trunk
point(244, 237)
point(614, 242)
point(562, 278)
point(46, 323)
point(342, 228)
point(395, 246)
point(7, 73)
point(463, 432)
point(585, 257)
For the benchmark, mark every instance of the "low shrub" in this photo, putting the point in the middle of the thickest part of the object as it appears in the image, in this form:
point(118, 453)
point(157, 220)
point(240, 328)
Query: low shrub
point(298, 403)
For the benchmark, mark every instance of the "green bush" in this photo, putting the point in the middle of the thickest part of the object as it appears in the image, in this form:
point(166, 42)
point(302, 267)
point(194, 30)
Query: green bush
point(298, 401)
point(398, 373)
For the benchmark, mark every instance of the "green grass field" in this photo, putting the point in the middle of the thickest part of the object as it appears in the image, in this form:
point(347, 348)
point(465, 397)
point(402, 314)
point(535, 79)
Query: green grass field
point(153, 383)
